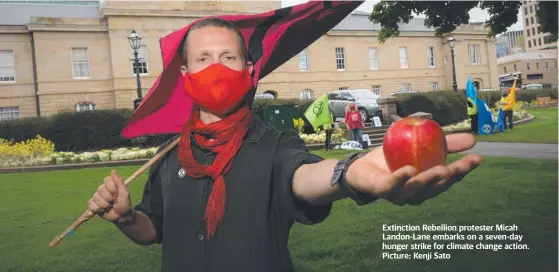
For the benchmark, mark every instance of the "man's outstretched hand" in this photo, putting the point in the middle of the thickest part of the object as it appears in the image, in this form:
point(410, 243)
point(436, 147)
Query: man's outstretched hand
point(370, 174)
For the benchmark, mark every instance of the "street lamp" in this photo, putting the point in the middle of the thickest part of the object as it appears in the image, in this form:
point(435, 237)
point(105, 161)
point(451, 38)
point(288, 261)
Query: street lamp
point(135, 42)
point(451, 43)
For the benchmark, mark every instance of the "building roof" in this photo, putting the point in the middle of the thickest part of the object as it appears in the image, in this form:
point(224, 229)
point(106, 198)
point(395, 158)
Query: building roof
point(20, 14)
point(359, 21)
point(536, 55)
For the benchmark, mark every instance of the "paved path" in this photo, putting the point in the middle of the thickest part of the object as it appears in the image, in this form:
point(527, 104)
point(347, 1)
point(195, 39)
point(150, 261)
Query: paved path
point(516, 150)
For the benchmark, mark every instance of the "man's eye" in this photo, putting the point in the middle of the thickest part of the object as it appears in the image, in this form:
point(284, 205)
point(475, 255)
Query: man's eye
point(230, 58)
point(202, 59)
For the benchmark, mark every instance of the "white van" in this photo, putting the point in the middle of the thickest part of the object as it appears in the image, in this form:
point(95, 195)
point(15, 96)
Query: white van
point(533, 87)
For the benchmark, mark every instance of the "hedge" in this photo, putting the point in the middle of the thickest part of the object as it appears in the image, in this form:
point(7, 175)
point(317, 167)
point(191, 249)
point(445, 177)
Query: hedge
point(449, 107)
point(100, 129)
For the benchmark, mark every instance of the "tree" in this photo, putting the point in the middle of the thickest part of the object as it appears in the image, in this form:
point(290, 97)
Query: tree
point(445, 16)
point(546, 14)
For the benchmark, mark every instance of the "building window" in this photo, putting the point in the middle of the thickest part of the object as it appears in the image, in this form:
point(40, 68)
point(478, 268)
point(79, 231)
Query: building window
point(142, 61)
point(531, 9)
point(306, 94)
point(527, 66)
point(403, 57)
point(85, 106)
point(431, 57)
point(514, 66)
point(9, 113)
point(373, 58)
point(529, 44)
point(377, 89)
point(527, 22)
point(532, 20)
point(80, 63)
point(340, 58)
point(546, 86)
point(304, 60)
point(7, 66)
point(505, 69)
point(538, 30)
point(537, 65)
point(525, 10)
point(546, 64)
point(474, 53)
point(343, 88)
point(539, 41)
point(534, 33)
point(528, 32)
point(434, 86)
point(405, 87)
point(534, 76)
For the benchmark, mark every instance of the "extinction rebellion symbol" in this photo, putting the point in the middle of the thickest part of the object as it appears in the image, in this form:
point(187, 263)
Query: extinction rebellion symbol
point(486, 128)
point(317, 109)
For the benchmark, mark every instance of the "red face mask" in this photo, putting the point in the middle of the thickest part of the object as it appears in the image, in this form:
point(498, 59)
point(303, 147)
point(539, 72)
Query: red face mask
point(218, 88)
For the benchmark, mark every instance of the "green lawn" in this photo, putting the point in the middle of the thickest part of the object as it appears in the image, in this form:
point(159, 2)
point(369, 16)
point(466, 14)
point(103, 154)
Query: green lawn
point(36, 207)
point(543, 129)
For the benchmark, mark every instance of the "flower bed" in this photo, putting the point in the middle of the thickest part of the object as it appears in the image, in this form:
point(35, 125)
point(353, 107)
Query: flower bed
point(517, 114)
point(39, 151)
point(319, 138)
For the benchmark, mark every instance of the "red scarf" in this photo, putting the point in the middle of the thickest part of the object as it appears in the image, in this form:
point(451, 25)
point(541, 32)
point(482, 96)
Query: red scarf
point(228, 135)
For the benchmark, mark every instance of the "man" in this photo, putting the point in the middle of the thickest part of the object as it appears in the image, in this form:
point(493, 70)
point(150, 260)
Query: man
point(328, 129)
point(235, 215)
point(507, 108)
point(472, 112)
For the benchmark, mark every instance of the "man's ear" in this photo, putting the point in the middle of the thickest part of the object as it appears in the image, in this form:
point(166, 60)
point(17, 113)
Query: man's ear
point(183, 70)
point(250, 67)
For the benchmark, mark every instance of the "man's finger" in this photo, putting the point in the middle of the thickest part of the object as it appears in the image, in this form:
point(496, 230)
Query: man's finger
point(111, 186)
point(459, 142)
point(459, 169)
point(391, 185)
point(117, 180)
point(102, 203)
point(424, 182)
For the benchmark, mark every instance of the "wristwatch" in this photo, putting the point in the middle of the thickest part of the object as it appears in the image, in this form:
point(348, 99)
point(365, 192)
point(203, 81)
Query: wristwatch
point(339, 178)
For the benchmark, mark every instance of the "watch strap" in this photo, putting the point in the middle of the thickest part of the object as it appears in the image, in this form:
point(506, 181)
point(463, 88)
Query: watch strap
point(339, 178)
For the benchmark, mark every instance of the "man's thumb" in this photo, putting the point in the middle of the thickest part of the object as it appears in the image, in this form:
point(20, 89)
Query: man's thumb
point(117, 179)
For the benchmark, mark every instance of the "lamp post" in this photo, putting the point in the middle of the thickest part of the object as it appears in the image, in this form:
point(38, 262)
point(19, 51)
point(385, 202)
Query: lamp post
point(451, 43)
point(135, 42)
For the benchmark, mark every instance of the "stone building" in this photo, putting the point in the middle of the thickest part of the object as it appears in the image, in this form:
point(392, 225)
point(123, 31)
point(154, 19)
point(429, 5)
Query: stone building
point(539, 67)
point(534, 39)
point(74, 55)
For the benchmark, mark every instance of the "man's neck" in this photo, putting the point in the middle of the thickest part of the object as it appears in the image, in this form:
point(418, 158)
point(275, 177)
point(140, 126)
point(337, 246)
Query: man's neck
point(208, 117)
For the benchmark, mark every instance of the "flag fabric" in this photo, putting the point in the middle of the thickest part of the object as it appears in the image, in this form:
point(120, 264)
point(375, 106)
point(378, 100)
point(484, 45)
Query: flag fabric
point(272, 38)
point(318, 112)
point(471, 90)
point(487, 122)
point(512, 95)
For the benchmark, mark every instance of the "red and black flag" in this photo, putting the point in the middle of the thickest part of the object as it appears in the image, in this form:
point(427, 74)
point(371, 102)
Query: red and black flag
point(272, 38)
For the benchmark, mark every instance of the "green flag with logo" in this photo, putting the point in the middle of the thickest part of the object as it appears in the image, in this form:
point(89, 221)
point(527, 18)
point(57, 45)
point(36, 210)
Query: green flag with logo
point(318, 112)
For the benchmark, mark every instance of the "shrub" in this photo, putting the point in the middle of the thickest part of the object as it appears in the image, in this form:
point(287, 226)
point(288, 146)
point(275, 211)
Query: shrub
point(447, 107)
point(76, 131)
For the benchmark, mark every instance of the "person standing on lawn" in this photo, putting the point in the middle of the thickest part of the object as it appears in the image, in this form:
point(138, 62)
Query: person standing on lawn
point(507, 102)
point(226, 198)
point(354, 123)
point(328, 129)
point(472, 113)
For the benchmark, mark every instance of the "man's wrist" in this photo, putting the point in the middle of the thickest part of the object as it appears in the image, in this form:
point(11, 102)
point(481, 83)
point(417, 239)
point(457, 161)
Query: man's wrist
point(127, 219)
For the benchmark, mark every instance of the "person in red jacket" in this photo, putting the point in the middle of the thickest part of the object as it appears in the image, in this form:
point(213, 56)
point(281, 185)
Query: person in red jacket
point(354, 123)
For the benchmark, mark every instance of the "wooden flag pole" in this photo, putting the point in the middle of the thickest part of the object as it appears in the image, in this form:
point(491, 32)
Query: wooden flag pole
point(89, 214)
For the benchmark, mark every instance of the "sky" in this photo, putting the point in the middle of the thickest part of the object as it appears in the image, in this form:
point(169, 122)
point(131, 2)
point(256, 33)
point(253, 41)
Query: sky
point(476, 14)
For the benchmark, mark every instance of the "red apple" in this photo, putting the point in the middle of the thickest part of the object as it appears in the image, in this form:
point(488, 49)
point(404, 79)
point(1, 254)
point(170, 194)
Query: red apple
point(418, 142)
